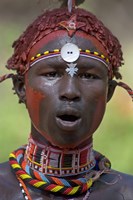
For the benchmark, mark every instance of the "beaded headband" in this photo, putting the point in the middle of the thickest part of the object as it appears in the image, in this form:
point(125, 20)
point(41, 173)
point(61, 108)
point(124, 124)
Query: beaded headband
point(56, 52)
point(70, 53)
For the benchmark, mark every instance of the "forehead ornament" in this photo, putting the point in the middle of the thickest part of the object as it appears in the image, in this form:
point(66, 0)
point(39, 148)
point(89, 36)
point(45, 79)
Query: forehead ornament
point(70, 25)
point(70, 53)
point(71, 69)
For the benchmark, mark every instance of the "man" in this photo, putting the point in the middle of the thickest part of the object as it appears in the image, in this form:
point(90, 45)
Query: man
point(66, 62)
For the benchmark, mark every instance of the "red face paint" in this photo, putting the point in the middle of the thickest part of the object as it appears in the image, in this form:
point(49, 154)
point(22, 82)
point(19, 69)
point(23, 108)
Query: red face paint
point(33, 101)
point(66, 110)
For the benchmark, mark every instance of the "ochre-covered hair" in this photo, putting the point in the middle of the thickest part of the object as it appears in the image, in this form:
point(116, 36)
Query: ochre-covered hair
point(49, 22)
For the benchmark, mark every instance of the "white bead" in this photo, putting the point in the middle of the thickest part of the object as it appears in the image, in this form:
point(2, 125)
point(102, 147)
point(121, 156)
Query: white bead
point(23, 191)
point(70, 52)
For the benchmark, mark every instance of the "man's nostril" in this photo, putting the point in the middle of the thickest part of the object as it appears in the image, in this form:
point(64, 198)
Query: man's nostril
point(65, 98)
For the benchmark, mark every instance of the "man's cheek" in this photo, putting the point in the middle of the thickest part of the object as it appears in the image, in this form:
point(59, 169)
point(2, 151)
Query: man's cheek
point(33, 103)
point(100, 107)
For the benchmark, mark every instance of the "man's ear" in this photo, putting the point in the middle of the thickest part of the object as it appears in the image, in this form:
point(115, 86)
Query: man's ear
point(111, 89)
point(19, 87)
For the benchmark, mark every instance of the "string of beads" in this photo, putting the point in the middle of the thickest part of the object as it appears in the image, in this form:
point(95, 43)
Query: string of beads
point(57, 51)
point(56, 185)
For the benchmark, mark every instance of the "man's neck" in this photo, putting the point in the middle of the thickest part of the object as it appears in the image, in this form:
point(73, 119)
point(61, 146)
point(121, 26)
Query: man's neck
point(41, 139)
point(59, 162)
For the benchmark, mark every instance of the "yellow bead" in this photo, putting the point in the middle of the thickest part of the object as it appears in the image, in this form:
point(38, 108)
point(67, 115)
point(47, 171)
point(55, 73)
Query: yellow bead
point(39, 184)
point(87, 51)
point(38, 55)
point(56, 50)
point(74, 190)
point(96, 53)
point(107, 60)
point(56, 188)
point(32, 58)
point(102, 56)
point(14, 166)
point(46, 52)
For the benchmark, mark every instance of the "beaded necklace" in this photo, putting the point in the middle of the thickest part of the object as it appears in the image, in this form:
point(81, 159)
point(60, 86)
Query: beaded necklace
point(63, 186)
point(58, 162)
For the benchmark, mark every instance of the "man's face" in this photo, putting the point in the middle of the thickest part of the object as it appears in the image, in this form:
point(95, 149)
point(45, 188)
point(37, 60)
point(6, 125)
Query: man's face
point(66, 110)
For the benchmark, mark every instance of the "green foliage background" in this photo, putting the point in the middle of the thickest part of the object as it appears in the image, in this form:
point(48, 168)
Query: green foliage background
point(114, 138)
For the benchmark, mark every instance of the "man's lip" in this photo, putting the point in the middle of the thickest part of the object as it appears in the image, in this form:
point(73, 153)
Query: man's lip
point(69, 111)
point(68, 125)
point(68, 118)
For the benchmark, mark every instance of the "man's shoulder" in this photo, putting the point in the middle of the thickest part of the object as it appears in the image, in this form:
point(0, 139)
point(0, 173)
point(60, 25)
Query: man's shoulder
point(5, 173)
point(120, 183)
point(9, 187)
point(4, 168)
point(126, 177)
point(126, 186)
point(7, 178)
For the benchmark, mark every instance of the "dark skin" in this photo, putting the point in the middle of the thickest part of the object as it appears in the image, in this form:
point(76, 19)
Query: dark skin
point(49, 86)
point(65, 98)
point(47, 90)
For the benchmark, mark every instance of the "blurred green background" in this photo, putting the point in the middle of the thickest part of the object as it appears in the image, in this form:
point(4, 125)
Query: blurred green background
point(114, 138)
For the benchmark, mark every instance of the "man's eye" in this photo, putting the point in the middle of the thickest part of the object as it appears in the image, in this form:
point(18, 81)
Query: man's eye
point(88, 76)
point(51, 74)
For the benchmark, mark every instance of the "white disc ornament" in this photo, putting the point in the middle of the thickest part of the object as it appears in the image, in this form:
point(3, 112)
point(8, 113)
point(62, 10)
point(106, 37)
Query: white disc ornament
point(70, 52)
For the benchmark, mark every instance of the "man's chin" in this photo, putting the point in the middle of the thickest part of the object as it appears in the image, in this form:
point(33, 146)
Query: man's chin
point(71, 143)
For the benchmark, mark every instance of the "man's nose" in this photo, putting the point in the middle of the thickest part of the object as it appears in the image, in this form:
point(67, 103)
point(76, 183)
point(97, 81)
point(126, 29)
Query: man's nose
point(70, 90)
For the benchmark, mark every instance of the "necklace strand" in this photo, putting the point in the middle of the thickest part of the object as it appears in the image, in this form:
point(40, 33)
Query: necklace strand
point(27, 196)
point(62, 186)
point(24, 189)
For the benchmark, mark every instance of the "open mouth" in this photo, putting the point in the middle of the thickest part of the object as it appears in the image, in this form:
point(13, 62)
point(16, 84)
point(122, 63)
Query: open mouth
point(68, 121)
point(68, 118)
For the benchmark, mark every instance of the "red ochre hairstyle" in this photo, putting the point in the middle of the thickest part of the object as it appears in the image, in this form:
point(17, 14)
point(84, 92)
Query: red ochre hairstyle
point(49, 22)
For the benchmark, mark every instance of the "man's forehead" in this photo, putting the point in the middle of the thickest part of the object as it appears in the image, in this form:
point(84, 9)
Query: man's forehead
point(57, 39)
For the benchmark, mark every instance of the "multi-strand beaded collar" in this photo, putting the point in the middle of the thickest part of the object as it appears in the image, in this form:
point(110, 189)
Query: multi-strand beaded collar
point(57, 162)
point(52, 169)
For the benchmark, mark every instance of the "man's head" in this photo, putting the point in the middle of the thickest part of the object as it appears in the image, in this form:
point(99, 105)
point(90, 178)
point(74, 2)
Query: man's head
point(62, 19)
point(66, 109)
